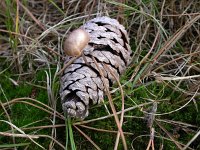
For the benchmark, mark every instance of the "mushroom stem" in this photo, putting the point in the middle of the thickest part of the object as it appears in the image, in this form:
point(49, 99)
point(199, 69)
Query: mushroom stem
point(67, 64)
point(84, 58)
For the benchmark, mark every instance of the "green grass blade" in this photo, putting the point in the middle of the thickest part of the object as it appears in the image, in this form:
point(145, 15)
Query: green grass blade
point(71, 136)
point(60, 10)
point(13, 145)
point(67, 134)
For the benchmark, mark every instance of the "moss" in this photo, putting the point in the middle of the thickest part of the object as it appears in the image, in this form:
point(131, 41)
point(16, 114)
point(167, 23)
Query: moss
point(22, 114)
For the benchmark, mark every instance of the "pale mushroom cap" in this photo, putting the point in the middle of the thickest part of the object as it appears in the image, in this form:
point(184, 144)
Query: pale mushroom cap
point(76, 42)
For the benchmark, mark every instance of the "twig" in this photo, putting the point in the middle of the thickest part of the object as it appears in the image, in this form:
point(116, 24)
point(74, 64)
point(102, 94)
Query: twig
point(111, 115)
point(104, 130)
point(112, 105)
point(122, 114)
point(87, 137)
point(19, 135)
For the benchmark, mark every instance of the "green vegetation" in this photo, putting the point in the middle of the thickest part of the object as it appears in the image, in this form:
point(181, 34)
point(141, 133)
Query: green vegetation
point(161, 86)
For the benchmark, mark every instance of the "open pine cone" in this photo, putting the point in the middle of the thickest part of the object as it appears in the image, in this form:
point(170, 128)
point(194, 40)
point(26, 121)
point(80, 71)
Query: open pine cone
point(81, 82)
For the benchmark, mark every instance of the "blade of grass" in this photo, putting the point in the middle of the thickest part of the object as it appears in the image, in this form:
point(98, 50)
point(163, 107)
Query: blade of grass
point(112, 105)
point(111, 115)
point(66, 134)
point(71, 136)
point(14, 145)
point(169, 43)
point(32, 16)
point(140, 12)
point(122, 114)
point(104, 130)
point(6, 112)
point(192, 140)
point(87, 137)
point(169, 135)
point(17, 18)
point(24, 100)
point(60, 10)
point(23, 133)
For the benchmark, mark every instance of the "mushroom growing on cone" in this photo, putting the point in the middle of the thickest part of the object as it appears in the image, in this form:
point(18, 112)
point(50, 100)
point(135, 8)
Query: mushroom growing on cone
point(81, 83)
point(76, 42)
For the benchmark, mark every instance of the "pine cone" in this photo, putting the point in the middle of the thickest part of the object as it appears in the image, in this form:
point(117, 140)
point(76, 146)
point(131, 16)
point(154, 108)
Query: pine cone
point(81, 83)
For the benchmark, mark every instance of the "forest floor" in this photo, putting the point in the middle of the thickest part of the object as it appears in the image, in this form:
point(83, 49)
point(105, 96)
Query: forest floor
point(161, 87)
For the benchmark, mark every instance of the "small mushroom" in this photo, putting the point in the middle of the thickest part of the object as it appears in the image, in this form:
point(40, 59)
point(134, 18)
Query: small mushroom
point(76, 42)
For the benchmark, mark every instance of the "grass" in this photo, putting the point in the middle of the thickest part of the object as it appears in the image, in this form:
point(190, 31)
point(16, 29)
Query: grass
point(160, 87)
